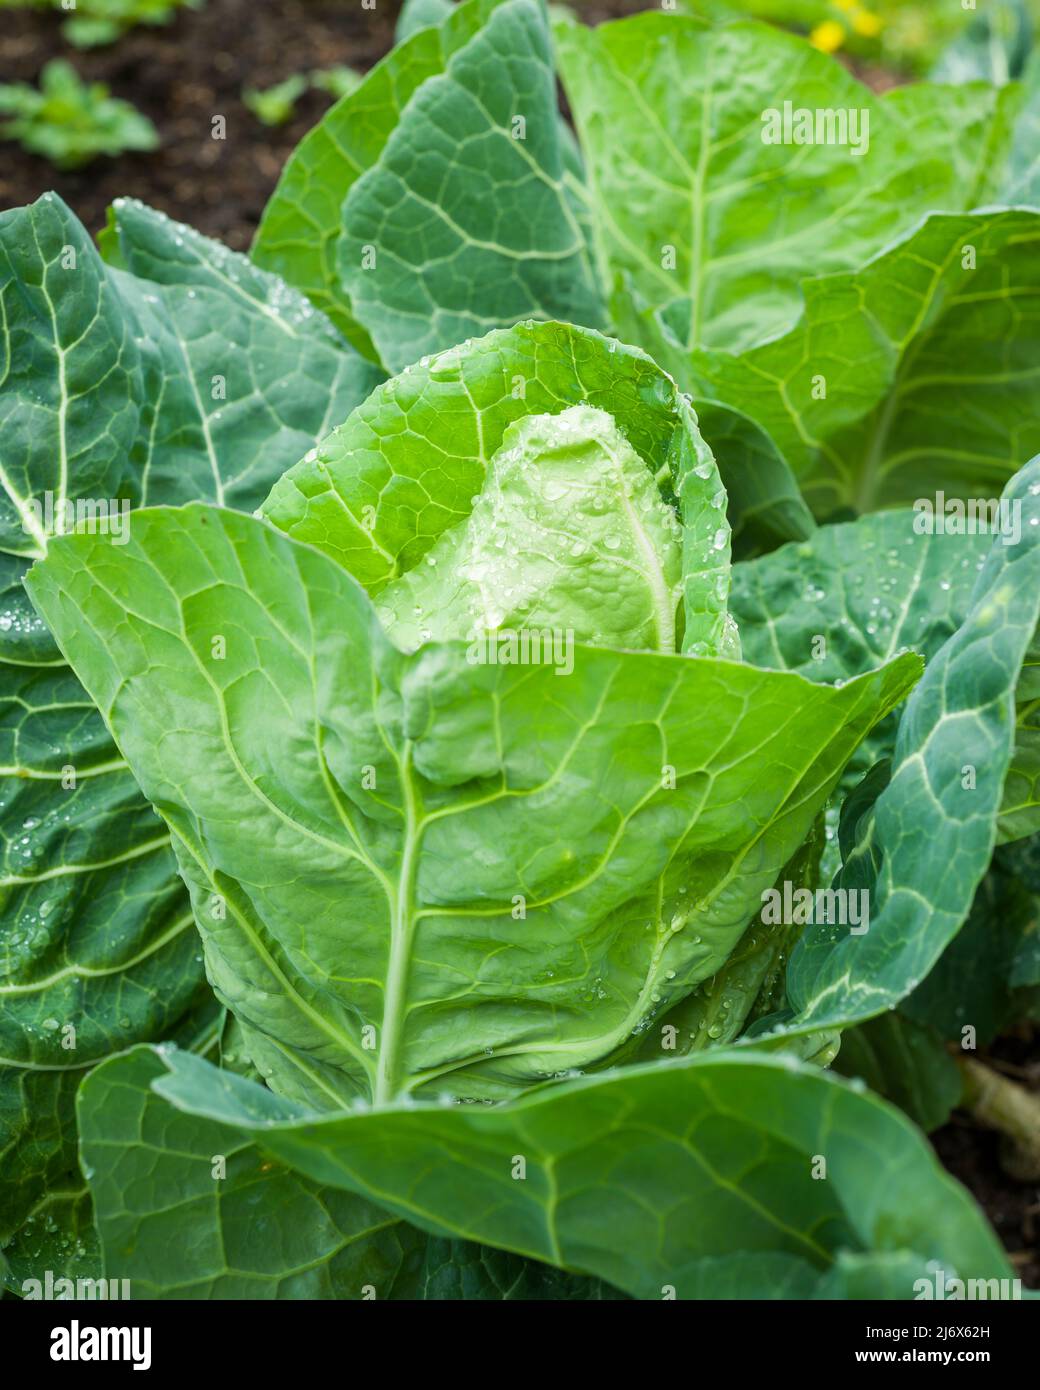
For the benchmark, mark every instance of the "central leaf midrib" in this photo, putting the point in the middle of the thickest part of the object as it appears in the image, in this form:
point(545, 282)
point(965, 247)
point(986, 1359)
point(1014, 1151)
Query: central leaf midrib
point(402, 928)
point(660, 595)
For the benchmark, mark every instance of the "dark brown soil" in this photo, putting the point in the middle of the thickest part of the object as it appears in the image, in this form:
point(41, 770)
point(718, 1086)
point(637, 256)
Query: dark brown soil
point(181, 76)
point(972, 1155)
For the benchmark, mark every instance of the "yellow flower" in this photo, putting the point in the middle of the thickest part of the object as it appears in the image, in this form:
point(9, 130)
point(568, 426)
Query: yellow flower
point(828, 36)
point(867, 24)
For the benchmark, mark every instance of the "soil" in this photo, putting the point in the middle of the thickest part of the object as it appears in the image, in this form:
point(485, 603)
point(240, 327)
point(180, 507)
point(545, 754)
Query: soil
point(181, 75)
point(184, 73)
point(972, 1155)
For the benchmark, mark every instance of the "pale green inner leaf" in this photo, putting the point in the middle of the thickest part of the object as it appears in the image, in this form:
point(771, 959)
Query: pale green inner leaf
point(569, 533)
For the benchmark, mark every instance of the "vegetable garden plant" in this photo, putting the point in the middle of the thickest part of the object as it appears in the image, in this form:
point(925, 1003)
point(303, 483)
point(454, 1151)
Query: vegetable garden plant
point(491, 730)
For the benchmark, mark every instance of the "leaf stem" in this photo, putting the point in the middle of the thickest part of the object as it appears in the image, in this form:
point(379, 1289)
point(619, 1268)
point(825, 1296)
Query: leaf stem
point(1003, 1105)
point(402, 927)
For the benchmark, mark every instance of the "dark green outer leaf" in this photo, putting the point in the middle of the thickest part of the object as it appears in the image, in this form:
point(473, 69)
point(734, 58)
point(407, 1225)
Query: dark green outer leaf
point(175, 1230)
point(977, 979)
point(928, 842)
point(1022, 859)
point(249, 373)
point(191, 1209)
point(852, 596)
point(108, 395)
point(869, 588)
point(469, 216)
point(644, 1175)
point(905, 1062)
point(458, 1269)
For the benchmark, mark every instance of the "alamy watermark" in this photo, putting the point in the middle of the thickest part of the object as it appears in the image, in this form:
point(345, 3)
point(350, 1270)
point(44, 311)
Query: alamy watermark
point(820, 125)
point(790, 905)
point(105, 516)
point(80, 1290)
point(976, 516)
point(942, 1288)
point(81, 1342)
point(547, 646)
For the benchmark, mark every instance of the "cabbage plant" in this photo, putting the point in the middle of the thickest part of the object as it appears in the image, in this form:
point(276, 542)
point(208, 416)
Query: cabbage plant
point(454, 864)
